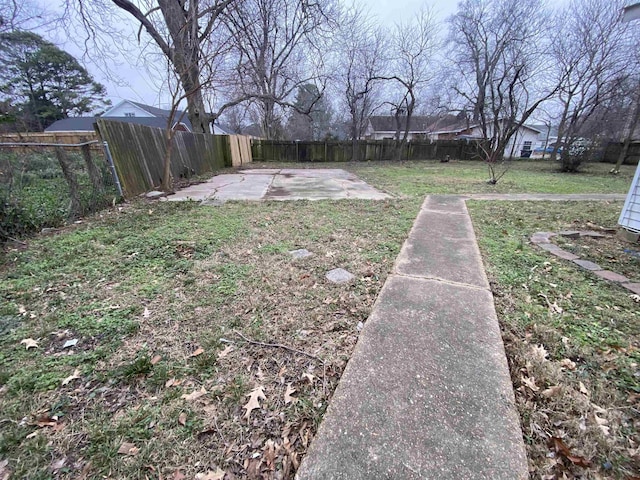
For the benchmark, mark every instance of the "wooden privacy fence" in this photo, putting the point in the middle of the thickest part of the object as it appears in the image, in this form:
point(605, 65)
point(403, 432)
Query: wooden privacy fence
point(139, 151)
point(369, 150)
point(613, 149)
point(51, 137)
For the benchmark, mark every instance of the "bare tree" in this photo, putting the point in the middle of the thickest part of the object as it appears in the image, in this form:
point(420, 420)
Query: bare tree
point(587, 50)
point(22, 15)
point(361, 48)
point(180, 29)
point(498, 48)
point(274, 43)
point(634, 121)
point(410, 68)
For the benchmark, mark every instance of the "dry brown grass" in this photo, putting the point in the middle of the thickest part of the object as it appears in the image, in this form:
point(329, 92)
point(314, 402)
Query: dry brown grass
point(147, 287)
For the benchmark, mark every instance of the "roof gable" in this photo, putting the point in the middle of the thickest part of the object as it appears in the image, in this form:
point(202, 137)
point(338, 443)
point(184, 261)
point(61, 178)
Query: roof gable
point(180, 116)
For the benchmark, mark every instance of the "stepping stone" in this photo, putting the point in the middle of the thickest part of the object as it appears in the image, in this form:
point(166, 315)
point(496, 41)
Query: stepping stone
point(592, 234)
point(634, 287)
point(612, 276)
point(339, 275)
point(542, 237)
point(154, 194)
point(586, 264)
point(301, 253)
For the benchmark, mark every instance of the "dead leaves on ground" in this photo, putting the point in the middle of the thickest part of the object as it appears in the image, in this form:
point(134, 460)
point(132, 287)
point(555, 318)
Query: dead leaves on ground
point(29, 343)
point(128, 449)
point(5, 472)
point(199, 351)
point(182, 419)
point(74, 376)
point(211, 475)
point(254, 401)
point(561, 449)
point(190, 397)
point(225, 352)
point(287, 394)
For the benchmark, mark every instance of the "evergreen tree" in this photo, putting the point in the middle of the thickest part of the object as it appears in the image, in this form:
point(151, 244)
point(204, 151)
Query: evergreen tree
point(311, 118)
point(43, 83)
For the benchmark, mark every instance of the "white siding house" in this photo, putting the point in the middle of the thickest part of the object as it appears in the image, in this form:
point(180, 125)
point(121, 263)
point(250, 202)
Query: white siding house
point(126, 108)
point(126, 111)
point(630, 216)
point(521, 143)
point(384, 127)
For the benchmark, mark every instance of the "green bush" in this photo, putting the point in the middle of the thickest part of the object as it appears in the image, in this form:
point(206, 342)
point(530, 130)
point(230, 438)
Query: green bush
point(34, 193)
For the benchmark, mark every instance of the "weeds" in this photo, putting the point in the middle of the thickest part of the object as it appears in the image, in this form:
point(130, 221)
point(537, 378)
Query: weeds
point(572, 340)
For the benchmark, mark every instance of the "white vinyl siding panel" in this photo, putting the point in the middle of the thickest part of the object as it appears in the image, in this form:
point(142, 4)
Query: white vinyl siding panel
point(630, 216)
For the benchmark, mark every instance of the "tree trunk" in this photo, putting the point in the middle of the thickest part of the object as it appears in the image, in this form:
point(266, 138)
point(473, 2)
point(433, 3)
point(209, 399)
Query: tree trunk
point(627, 141)
point(561, 133)
point(167, 177)
point(195, 103)
point(185, 56)
point(75, 207)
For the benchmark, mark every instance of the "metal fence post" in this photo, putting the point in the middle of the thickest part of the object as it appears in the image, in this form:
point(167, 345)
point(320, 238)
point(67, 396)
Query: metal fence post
point(112, 167)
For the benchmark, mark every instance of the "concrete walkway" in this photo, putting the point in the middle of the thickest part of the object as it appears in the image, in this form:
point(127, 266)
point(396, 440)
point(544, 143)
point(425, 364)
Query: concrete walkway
point(549, 197)
point(427, 392)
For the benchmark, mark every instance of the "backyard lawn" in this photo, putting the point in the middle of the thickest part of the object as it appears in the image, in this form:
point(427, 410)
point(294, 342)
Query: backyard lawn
point(203, 347)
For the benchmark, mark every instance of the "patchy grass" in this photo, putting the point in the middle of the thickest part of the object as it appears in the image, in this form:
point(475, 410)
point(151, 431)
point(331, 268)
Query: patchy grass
point(163, 297)
point(423, 178)
point(610, 252)
point(572, 341)
point(158, 296)
point(431, 177)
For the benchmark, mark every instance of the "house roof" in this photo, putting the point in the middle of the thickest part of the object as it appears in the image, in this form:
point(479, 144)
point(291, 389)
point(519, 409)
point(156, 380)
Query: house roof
point(387, 123)
point(462, 125)
point(544, 129)
point(85, 124)
point(180, 115)
point(72, 124)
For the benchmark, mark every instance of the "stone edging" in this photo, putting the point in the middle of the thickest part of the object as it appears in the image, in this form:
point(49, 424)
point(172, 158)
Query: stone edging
point(543, 240)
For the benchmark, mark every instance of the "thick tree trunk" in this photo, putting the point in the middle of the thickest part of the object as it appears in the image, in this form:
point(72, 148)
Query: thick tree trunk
point(75, 207)
point(196, 111)
point(627, 141)
point(185, 56)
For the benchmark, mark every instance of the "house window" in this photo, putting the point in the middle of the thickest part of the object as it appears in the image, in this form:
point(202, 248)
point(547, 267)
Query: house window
point(527, 146)
point(129, 114)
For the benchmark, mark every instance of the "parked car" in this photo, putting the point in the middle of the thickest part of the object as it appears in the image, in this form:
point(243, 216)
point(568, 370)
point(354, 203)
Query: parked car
point(540, 150)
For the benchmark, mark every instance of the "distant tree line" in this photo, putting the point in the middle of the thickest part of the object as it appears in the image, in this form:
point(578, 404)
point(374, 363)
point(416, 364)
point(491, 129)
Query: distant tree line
point(310, 70)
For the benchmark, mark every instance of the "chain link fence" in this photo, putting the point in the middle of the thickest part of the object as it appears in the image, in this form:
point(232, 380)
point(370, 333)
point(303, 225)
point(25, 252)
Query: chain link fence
point(48, 185)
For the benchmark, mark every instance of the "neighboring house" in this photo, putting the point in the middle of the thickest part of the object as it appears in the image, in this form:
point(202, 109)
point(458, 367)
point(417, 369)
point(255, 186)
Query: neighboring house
point(521, 143)
point(129, 112)
point(546, 140)
point(448, 127)
point(382, 127)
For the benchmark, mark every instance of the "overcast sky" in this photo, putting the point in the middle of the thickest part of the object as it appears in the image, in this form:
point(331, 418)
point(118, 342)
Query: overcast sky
point(136, 84)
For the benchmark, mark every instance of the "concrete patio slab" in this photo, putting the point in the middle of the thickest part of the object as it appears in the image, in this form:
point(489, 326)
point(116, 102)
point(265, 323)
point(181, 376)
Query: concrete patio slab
point(280, 184)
